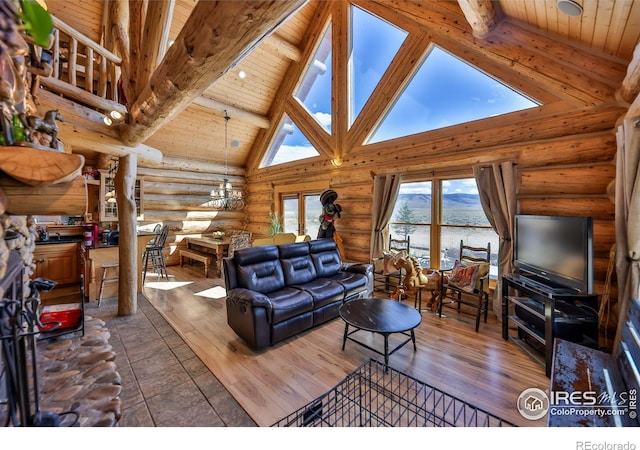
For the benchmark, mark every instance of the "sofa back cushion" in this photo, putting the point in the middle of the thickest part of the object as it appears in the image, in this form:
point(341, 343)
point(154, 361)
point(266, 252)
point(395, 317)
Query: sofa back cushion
point(259, 269)
point(326, 257)
point(296, 263)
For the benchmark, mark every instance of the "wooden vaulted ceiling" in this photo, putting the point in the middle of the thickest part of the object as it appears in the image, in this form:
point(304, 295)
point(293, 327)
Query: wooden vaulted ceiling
point(608, 27)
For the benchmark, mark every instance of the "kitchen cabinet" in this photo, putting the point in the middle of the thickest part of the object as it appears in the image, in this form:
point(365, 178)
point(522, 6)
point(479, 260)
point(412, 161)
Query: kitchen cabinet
point(108, 207)
point(59, 262)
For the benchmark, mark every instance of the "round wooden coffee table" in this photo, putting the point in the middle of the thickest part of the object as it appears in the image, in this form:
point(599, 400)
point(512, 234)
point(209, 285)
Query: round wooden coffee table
point(383, 316)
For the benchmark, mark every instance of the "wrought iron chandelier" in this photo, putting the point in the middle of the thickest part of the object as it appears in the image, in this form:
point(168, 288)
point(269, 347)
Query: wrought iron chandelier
point(226, 196)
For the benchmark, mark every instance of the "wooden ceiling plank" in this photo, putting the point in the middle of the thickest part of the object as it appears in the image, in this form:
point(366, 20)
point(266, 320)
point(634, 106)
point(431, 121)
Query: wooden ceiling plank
point(588, 20)
point(615, 33)
point(215, 37)
point(603, 24)
point(631, 35)
point(237, 113)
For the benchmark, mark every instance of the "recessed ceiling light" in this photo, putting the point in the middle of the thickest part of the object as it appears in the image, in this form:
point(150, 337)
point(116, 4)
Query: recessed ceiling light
point(242, 74)
point(569, 7)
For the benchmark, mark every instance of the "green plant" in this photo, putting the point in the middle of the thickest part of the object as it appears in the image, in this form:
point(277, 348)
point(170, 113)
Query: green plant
point(276, 224)
point(36, 21)
point(406, 217)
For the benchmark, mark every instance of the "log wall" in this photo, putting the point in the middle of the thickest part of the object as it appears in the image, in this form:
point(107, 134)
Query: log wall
point(177, 193)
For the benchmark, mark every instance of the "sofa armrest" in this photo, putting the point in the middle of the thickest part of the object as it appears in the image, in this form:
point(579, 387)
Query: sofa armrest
point(363, 268)
point(249, 315)
point(251, 299)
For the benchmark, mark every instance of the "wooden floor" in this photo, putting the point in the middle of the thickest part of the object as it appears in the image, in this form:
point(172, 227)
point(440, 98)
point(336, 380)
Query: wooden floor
point(479, 368)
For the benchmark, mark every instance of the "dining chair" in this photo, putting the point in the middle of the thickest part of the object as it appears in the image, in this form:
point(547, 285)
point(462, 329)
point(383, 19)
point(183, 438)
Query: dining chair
point(467, 282)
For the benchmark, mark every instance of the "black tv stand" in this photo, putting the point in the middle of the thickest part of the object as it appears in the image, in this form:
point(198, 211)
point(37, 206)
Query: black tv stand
point(543, 285)
point(538, 313)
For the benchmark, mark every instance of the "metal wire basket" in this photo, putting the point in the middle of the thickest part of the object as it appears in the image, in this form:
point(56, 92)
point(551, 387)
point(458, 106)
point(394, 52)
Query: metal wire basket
point(376, 395)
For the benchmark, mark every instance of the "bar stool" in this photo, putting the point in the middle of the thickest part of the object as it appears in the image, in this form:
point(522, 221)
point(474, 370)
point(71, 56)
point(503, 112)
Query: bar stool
point(106, 279)
point(153, 255)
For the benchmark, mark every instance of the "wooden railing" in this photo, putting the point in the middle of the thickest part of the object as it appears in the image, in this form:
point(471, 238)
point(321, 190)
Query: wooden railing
point(83, 70)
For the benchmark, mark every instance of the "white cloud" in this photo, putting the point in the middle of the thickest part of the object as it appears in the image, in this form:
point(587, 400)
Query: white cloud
point(323, 118)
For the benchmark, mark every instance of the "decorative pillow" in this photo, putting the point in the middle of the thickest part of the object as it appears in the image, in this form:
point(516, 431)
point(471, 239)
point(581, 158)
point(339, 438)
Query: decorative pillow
point(468, 277)
point(463, 276)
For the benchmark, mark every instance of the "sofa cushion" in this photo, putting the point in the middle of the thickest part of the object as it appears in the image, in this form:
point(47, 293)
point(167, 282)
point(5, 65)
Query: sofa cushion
point(289, 302)
point(323, 291)
point(351, 281)
point(296, 263)
point(326, 257)
point(259, 269)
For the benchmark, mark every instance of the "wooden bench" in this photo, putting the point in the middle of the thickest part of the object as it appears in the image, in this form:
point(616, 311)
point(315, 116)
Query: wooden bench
point(195, 255)
point(592, 376)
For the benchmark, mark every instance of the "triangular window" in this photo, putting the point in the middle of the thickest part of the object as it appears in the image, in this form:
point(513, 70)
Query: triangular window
point(447, 91)
point(314, 92)
point(289, 145)
point(366, 67)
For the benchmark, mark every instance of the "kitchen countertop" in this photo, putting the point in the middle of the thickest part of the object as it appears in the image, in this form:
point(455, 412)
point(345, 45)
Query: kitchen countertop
point(80, 240)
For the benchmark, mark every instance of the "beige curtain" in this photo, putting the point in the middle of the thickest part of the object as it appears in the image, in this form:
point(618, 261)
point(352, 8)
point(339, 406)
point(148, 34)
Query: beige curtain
point(627, 217)
point(385, 192)
point(497, 189)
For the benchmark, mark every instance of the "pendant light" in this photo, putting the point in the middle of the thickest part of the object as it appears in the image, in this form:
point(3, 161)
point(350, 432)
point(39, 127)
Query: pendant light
point(226, 196)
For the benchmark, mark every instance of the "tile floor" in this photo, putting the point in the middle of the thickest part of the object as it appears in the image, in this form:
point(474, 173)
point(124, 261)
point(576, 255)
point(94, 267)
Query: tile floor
point(164, 383)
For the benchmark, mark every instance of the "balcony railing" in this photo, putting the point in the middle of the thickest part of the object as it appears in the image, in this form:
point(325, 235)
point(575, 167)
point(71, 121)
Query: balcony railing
point(82, 70)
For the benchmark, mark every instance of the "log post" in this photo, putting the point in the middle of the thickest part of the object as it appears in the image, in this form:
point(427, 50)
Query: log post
point(125, 181)
point(482, 15)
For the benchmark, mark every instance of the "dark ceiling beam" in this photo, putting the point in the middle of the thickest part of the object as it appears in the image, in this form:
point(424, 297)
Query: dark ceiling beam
point(216, 36)
point(482, 15)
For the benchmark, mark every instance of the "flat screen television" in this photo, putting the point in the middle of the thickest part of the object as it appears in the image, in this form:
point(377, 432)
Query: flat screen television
point(555, 250)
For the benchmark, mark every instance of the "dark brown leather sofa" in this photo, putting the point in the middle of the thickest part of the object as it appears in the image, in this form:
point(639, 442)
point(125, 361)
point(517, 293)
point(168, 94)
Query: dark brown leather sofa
point(277, 291)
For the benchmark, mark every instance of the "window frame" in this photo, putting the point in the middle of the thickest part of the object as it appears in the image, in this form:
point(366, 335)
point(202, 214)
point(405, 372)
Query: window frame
point(300, 190)
point(436, 225)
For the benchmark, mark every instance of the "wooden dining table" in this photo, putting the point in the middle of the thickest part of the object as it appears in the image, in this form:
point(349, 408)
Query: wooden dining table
point(217, 247)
